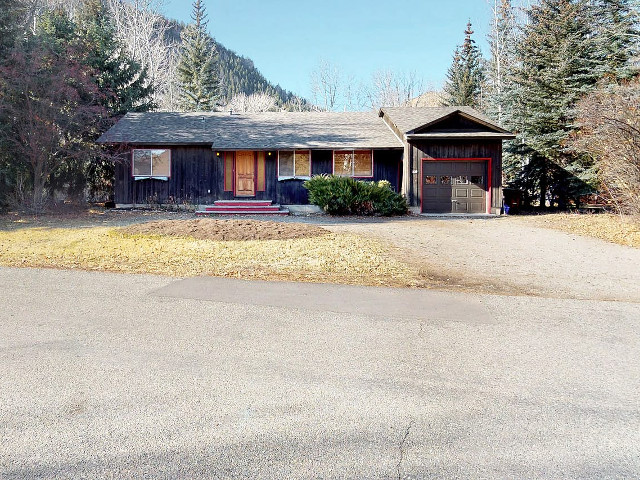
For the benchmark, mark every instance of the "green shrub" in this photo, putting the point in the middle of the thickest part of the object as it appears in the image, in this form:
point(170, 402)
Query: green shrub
point(346, 196)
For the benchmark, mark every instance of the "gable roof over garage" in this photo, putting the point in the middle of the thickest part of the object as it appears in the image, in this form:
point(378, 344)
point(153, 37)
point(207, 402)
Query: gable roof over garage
point(410, 122)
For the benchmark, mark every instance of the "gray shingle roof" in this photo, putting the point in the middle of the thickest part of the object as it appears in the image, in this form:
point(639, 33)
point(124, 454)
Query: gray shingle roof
point(255, 131)
point(408, 119)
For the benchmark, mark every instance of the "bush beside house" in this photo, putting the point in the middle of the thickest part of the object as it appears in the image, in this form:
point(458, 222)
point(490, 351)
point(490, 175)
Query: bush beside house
point(347, 196)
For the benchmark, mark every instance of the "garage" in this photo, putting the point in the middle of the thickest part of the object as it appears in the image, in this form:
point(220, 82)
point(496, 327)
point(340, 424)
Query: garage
point(455, 186)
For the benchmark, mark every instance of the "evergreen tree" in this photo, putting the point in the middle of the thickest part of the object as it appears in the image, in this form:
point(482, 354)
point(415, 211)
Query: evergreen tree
point(559, 63)
point(122, 80)
point(10, 13)
point(615, 24)
point(197, 69)
point(465, 76)
point(123, 86)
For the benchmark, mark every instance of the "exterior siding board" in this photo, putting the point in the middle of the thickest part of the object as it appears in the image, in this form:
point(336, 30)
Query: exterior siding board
point(197, 177)
point(386, 166)
point(459, 149)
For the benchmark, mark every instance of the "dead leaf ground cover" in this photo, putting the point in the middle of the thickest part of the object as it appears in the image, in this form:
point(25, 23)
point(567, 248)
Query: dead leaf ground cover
point(612, 228)
point(171, 248)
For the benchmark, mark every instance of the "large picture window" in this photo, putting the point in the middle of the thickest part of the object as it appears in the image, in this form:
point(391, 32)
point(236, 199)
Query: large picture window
point(294, 164)
point(149, 163)
point(353, 163)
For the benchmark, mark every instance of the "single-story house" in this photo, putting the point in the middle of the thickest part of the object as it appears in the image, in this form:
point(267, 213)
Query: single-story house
point(445, 159)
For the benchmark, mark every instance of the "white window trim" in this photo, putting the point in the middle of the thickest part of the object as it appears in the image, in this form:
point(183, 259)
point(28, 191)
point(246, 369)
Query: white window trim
point(151, 176)
point(294, 176)
point(353, 163)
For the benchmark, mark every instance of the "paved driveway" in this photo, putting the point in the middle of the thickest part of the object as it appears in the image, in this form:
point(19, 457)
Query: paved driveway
point(113, 376)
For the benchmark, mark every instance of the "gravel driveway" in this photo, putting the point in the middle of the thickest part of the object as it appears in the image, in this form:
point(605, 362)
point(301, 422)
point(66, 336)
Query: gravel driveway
point(506, 255)
point(499, 255)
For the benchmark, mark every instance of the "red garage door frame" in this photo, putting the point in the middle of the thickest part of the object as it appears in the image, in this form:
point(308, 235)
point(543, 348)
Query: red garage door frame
point(470, 159)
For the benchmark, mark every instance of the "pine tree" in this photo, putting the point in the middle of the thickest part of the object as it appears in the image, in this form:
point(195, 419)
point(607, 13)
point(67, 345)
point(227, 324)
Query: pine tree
point(123, 81)
point(560, 62)
point(617, 36)
point(465, 76)
point(123, 86)
point(10, 12)
point(197, 69)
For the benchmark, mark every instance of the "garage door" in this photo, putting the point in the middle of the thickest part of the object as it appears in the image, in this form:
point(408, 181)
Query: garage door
point(454, 187)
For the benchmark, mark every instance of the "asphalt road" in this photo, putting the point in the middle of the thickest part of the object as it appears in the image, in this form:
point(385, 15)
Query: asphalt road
point(123, 376)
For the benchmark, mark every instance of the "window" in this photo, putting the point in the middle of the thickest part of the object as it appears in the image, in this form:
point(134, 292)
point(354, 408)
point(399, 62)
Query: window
point(461, 180)
point(151, 164)
point(430, 180)
point(353, 163)
point(294, 164)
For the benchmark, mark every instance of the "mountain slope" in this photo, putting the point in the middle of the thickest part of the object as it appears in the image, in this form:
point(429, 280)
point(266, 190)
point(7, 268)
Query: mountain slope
point(238, 74)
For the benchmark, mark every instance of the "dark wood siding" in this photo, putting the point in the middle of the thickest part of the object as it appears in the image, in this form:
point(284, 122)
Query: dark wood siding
point(455, 123)
point(194, 179)
point(197, 177)
point(444, 149)
point(387, 165)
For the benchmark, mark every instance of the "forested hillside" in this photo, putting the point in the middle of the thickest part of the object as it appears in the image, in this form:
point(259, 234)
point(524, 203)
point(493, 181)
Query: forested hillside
point(238, 75)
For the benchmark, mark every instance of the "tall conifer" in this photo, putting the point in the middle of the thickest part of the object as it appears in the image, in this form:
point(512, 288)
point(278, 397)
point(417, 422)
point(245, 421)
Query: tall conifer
point(123, 81)
point(615, 25)
point(197, 69)
point(465, 76)
point(559, 63)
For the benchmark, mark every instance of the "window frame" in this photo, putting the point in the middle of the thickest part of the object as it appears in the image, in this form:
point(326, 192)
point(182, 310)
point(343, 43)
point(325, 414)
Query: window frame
point(353, 163)
point(151, 175)
point(294, 176)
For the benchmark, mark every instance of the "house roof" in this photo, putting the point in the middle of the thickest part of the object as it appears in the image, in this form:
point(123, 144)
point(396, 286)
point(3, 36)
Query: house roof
point(408, 120)
point(285, 130)
point(255, 131)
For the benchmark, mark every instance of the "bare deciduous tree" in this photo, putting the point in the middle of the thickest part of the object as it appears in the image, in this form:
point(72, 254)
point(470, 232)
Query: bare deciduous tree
point(326, 83)
point(502, 43)
point(256, 102)
point(390, 89)
point(143, 30)
point(609, 130)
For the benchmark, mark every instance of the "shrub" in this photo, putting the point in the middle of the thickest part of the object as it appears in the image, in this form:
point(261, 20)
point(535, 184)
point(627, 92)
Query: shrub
point(346, 196)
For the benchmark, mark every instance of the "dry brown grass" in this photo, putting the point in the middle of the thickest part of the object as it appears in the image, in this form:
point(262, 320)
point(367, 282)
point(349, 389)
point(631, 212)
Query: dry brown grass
point(330, 258)
point(612, 228)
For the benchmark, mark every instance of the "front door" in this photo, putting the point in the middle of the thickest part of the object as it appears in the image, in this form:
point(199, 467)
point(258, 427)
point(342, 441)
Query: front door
point(245, 174)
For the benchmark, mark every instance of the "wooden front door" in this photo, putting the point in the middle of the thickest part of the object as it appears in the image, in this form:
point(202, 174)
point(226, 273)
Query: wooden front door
point(245, 174)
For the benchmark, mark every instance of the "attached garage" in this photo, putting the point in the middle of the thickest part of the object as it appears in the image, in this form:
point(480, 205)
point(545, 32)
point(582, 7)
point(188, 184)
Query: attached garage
point(455, 185)
point(452, 160)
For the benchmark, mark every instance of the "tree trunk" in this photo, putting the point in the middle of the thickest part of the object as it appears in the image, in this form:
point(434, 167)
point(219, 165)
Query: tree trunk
point(543, 184)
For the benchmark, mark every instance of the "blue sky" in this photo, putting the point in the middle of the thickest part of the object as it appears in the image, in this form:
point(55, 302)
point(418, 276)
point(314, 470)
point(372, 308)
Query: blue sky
point(287, 39)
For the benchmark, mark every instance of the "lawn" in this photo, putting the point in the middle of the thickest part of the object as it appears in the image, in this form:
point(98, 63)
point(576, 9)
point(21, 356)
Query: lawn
point(623, 230)
point(168, 248)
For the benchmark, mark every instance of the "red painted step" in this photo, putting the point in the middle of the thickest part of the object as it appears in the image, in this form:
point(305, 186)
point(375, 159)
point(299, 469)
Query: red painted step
point(222, 211)
point(247, 208)
point(244, 203)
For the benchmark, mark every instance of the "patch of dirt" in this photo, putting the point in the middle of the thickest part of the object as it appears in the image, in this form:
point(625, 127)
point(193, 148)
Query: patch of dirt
point(227, 230)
